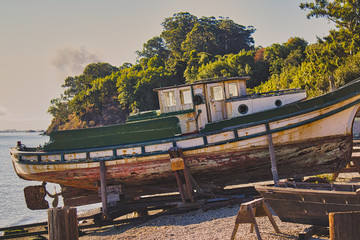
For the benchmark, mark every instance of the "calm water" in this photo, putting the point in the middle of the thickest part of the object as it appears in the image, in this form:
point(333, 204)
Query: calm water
point(12, 203)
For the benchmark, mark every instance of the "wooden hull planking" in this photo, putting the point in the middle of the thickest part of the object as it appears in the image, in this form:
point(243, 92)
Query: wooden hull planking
point(220, 169)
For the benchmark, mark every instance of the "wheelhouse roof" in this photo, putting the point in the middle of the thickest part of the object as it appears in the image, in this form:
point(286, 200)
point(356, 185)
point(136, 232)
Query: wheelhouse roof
point(204, 81)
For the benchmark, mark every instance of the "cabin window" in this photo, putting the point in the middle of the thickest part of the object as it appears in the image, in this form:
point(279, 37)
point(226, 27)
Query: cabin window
point(170, 98)
point(185, 96)
point(217, 93)
point(233, 90)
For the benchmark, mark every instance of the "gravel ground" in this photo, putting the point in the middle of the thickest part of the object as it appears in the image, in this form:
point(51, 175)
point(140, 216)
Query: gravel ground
point(199, 225)
point(213, 224)
point(209, 225)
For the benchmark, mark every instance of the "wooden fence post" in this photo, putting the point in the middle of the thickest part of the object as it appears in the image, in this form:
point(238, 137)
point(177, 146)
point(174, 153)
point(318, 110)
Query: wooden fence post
point(344, 225)
point(63, 224)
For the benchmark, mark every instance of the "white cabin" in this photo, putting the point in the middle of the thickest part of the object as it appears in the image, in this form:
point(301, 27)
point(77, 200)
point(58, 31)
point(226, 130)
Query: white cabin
point(211, 100)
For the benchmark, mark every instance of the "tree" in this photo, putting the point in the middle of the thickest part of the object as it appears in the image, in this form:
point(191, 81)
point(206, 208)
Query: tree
point(135, 85)
point(349, 71)
point(185, 33)
point(344, 13)
point(234, 37)
point(289, 53)
point(74, 85)
point(175, 31)
point(155, 46)
point(230, 65)
point(218, 37)
point(77, 90)
point(201, 38)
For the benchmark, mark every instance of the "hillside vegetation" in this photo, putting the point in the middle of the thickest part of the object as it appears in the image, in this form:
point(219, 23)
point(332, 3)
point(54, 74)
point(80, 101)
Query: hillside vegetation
point(191, 48)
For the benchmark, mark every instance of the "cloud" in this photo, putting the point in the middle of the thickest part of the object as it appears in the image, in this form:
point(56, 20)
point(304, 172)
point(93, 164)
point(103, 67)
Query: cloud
point(3, 111)
point(73, 60)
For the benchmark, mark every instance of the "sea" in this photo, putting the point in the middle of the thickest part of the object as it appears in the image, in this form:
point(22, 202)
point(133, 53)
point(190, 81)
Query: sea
point(13, 207)
point(12, 202)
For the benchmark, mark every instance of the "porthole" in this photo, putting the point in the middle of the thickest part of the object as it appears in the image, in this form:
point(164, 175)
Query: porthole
point(243, 108)
point(278, 103)
point(198, 100)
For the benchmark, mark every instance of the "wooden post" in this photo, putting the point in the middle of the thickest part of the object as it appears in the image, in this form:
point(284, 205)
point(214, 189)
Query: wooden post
point(272, 155)
point(189, 188)
point(177, 166)
point(63, 224)
point(103, 190)
point(180, 186)
point(344, 225)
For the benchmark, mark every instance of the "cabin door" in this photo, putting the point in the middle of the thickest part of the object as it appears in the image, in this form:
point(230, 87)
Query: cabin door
point(216, 101)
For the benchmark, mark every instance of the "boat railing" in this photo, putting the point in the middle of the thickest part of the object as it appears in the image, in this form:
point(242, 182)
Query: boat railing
point(276, 93)
point(267, 94)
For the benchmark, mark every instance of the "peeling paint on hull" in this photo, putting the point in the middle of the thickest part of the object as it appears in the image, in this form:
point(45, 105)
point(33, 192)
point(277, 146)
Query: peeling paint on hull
point(218, 168)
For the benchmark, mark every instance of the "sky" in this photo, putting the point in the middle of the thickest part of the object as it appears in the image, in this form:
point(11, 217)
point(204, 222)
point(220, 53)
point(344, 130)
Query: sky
point(42, 42)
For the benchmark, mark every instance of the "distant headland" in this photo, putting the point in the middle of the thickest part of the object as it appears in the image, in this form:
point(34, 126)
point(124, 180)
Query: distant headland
point(16, 131)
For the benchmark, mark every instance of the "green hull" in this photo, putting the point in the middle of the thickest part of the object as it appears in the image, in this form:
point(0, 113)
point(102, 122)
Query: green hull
point(128, 133)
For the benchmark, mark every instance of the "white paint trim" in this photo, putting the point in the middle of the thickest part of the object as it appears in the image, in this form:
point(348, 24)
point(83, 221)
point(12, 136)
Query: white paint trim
point(220, 137)
point(128, 151)
point(158, 147)
point(101, 154)
point(74, 156)
point(194, 142)
point(50, 158)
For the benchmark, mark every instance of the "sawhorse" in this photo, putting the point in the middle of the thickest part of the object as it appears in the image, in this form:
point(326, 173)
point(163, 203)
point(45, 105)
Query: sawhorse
point(249, 211)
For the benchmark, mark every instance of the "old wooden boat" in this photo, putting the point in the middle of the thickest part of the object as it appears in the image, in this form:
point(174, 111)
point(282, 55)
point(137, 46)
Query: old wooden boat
point(222, 131)
point(310, 203)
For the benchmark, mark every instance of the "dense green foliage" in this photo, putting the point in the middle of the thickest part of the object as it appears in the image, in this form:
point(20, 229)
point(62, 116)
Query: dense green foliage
point(191, 48)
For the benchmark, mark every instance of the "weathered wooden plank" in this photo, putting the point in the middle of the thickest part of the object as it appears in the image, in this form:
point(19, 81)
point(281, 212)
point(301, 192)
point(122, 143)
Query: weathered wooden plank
point(307, 212)
point(82, 200)
point(306, 195)
point(309, 206)
point(337, 199)
point(344, 225)
point(350, 187)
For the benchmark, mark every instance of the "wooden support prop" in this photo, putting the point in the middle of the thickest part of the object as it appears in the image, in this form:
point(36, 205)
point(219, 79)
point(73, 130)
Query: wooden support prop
point(272, 155)
point(344, 225)
point(247, 214)
point(178, 166)
point(103, 190)
point(63, 224)
point(180, 186)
